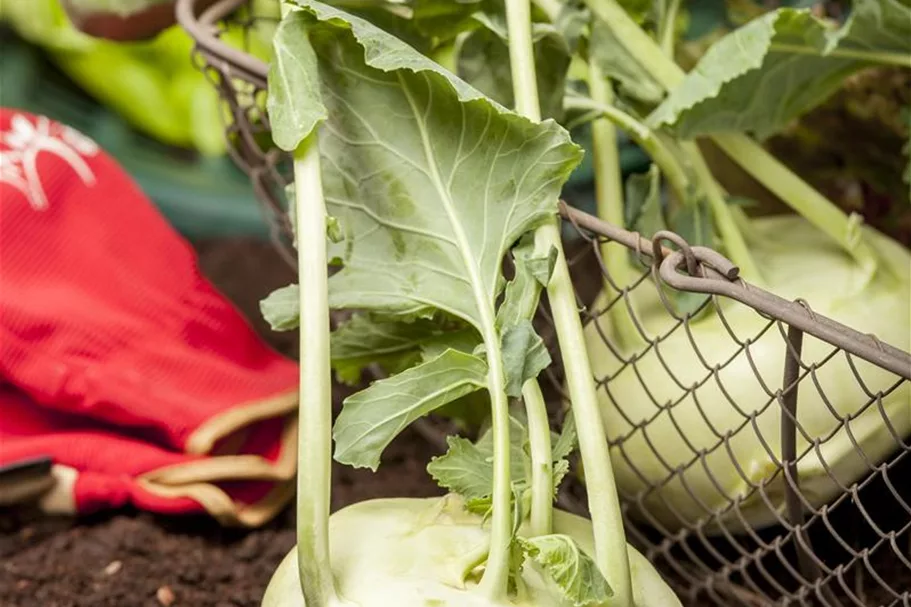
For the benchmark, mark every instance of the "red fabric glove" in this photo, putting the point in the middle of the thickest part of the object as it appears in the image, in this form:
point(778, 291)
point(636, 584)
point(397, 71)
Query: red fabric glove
point(106, 322)
point(96, 467)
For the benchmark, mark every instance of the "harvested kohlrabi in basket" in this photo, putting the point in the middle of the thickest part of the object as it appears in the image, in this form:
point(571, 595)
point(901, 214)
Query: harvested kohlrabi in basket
point(668, 409)
point(417, 186)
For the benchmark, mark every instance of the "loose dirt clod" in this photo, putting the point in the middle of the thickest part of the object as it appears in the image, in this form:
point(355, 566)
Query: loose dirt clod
point(165, 596)
point(113, 567)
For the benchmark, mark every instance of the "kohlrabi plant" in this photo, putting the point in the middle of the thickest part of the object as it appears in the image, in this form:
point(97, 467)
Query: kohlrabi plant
point(672, 407)
point(416, 187)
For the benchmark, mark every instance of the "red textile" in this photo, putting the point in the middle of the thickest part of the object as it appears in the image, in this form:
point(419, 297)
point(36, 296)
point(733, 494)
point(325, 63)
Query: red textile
point(124, 358)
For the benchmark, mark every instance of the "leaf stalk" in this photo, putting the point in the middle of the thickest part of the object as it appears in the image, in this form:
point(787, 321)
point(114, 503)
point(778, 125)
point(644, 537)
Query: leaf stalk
point(609, 194)
point(314, 473)
point(610, 540)
point(542, 475)
point(845, 53)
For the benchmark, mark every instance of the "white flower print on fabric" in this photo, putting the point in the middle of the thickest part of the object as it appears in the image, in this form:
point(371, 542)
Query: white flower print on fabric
point(25, 140)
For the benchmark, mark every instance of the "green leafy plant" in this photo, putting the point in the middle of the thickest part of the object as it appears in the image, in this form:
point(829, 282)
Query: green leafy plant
point(415, 181)
point(428, 185)
point(753, 81)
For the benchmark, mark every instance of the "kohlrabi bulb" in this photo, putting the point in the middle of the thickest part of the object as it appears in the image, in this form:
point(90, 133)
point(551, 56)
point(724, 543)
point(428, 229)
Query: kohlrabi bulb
point(406, 552)
point(797, 261)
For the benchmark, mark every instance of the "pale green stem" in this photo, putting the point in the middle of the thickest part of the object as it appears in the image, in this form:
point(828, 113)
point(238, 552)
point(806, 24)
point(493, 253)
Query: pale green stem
point(603, 501)
point(735, 247)
point(645, 138)
point(522, 59)
point(748, 154)
point(314, 471)
point(609, 201)
point(845, 53)
point(669, 28)
point(496, 574)
point(446, 57)
point(742, 220)
point(542, 461)
point(638, 42)
point(474, 559)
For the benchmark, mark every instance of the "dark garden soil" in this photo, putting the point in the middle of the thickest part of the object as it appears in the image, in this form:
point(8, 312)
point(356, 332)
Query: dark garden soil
point(132, 559)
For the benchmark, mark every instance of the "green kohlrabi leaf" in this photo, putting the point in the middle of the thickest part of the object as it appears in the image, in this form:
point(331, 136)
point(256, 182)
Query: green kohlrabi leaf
point(445, 19)
point(622, 66)
point(334, 229)
point(524, 290)
point(292, 212)
point(573, 571)
point(366, 337)
point(281, 308)
point(779, 66)
point(467, 468)
point(483, 61)
point(565, 443)
point(572, 22)
point(693, 222)
point(562, 446)
point(524, 356)
point(373, 417)
point(463, 340)
point(393, 344)
point(542, 267)
point(432, 194)
point(468, 412)
point(396, 17)
point(295, 104)
point(643, 202)
point(464, 469)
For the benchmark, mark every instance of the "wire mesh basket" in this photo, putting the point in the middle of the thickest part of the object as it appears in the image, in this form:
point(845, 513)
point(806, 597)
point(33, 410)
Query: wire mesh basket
point(768, 464)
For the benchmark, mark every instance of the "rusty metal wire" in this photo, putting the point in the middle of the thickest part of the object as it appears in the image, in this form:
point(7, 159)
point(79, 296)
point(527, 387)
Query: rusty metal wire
point(795, 525)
